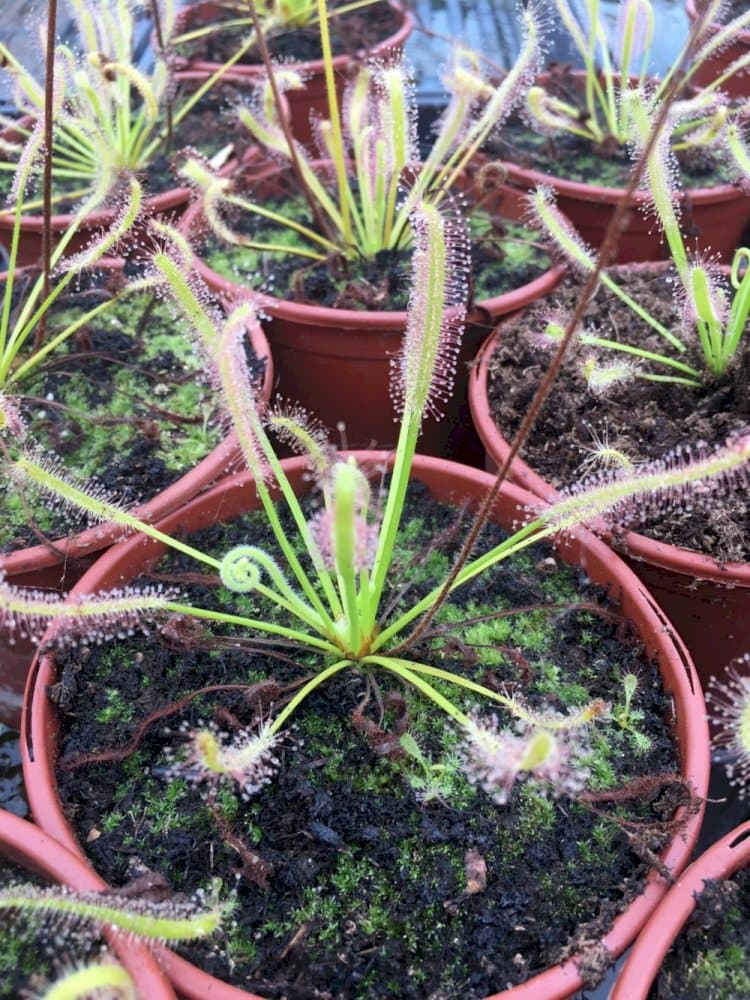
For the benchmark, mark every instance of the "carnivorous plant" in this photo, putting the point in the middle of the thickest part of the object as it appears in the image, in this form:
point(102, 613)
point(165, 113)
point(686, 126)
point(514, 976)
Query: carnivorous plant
point(715, 312)
point(112, 118)
point(71, 916)
point(374, 181)
point(329, 583)
point(614, 70)
point(26, 299)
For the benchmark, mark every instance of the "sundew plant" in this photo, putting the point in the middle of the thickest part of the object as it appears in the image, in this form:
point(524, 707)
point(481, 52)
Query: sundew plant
point(368, 143)
point(75, 919)
point(328, 581)
point(712, 310)
point(27, 296)
point(111, 117)
point(616, 67)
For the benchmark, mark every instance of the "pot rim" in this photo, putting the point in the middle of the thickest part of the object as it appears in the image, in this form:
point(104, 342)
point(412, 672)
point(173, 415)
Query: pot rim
point(242, 72)
point(598, 194)
point(636, 545)
point(155, 204)
point(29, 846)
point(721, 860)
point(38, 723)
point(221, 460)
point(343, 321)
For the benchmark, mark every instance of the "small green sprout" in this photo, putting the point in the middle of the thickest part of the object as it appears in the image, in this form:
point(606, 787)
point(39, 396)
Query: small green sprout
point(432, 782)
point(627, 716)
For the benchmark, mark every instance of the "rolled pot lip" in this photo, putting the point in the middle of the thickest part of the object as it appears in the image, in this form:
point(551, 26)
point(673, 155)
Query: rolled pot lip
point(343, 320)
point(558, 981)
point(26, 844)
point(743, 38)
point(155, 203)
point(634, 544)
point(220, 460)
point(598, 194)
point(721, 860)
point(311, 67)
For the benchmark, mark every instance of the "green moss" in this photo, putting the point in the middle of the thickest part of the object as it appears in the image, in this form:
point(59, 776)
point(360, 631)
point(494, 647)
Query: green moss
point(112, 820)
point(135, 384)
point(723, 973)
point(116, 709)
point(344, 900)
point(601, 766)
point(537, 815)
point(14, 956)
point(158, 387)
point(168, 806)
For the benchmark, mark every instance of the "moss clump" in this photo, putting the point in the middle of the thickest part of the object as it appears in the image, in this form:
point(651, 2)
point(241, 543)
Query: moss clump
point(368, 843)
point(710, 959)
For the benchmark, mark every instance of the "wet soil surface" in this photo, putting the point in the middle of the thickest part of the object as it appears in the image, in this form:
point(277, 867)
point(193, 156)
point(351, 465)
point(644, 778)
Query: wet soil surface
point(645, 420)
point(349, 882)
point(504, 256)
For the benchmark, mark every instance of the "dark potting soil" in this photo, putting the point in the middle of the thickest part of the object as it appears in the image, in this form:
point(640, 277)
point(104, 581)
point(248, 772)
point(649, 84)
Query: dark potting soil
point(351, 33)
point(709, 960)
point(349, 881)
point(125, 404)
point(504, 257)
point(645, 420)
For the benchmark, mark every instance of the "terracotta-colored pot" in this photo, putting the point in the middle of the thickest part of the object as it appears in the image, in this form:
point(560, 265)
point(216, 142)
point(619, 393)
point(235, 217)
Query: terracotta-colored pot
point(722, 860)
point(167, 204)
point(58, 565)
point(312, 99)
point(737, 85)
point(708, 601)
point(29, 846)
point(448, 482)
point(337, 362)
point(715, 217)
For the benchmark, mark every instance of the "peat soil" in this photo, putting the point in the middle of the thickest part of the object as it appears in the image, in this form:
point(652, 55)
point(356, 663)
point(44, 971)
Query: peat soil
point(351, 33)
point(504, 256)
point(645, 420)
point(349, 882)
point(709, 958)
point(109, 390)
